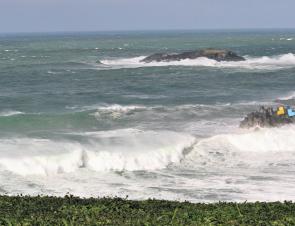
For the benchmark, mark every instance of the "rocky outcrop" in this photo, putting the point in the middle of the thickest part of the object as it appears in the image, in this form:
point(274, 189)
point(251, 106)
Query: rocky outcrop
point(265, 117)
point(214, 54)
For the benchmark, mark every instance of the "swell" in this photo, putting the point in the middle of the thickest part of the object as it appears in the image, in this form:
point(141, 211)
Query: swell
point(101, 116)
point(29, 122)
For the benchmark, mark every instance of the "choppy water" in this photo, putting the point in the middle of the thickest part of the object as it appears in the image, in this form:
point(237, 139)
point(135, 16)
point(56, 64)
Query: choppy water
point(80, 114)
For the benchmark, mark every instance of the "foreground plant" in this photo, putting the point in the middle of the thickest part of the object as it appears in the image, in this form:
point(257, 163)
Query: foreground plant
point(70, 210)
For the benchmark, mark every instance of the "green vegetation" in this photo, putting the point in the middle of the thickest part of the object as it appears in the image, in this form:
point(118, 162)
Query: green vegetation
point(25, 210)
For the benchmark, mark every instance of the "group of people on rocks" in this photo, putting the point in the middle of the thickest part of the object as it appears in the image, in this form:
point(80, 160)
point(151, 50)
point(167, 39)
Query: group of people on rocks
point(280, 111)
point(269, 117)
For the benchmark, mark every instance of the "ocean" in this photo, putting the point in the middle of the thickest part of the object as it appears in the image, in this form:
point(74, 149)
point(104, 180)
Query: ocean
point(80, 114)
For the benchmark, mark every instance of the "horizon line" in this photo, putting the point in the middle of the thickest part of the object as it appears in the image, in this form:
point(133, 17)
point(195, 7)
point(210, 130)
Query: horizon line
point(143, 30)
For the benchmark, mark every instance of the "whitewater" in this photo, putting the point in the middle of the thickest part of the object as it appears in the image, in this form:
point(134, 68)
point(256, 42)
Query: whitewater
point(262, 63)
point(81, 114)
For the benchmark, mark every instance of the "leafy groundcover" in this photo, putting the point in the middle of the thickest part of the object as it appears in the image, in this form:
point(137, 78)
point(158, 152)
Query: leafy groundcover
point(70, 210)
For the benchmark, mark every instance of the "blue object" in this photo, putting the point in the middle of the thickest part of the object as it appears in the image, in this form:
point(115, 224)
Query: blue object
point(291, 113)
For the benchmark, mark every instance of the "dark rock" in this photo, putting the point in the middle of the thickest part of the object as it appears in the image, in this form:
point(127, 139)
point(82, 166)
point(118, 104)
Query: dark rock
point(265, 117)
point(215, 54)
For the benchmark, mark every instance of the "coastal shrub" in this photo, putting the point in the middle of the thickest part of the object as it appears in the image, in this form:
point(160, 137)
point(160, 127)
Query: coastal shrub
point(70, 210)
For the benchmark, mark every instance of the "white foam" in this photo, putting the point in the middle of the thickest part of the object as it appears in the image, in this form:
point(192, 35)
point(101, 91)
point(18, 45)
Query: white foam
point(108, 107)
point(52, 72)
point(115, 150)
point(10, 50)
point(128, 108)
point(26, 156)
point(120, 108)
point(139, 151)
point(114, 110)
point(252, 148)
point(124, 61)
point(265, 140)
point(289, 96)
point(145, 96)
point(10, 113)
point(223, 158)
point(264, 62)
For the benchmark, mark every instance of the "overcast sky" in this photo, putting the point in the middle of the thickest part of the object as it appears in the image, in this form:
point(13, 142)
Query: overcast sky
point(100, 15)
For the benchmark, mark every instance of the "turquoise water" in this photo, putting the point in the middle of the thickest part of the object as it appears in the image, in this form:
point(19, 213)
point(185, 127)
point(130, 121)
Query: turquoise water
point(80, 113)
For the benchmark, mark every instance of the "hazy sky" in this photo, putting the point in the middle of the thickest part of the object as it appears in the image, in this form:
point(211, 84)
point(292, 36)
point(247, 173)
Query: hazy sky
point(96, 15)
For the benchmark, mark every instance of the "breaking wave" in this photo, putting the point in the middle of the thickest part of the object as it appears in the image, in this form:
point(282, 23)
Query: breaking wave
point(117, 150)
point(263, 148)
point(264, 62)
point(133, 150)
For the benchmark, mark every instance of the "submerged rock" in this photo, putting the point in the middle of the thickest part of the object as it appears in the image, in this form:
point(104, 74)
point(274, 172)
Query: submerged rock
point(214, 54)
point(266, 117)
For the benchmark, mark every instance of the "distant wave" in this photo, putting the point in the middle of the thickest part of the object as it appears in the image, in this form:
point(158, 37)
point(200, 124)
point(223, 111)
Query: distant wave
point(264, 62)
point(289, 96)
point(10, 113)
point(129, 108)
point(121, 108)
point(287, 39)
point(114, 110)
point(93, 115)
point(10, 50)
point(165, 113)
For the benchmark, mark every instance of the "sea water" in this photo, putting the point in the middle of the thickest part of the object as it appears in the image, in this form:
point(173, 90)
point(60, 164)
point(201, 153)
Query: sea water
point(80, 114)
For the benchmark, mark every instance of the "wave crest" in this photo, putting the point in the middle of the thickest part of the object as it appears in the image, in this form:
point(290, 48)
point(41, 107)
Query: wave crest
point(117, 150)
